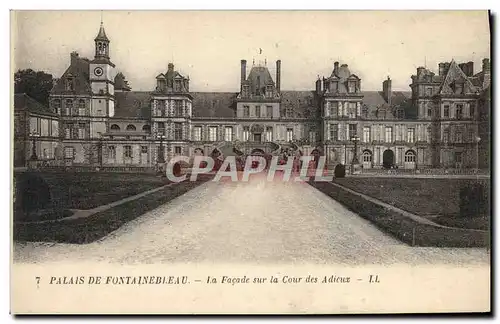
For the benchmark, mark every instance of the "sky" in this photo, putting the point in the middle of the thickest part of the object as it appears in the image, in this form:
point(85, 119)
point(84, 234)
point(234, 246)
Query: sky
point(208, 46)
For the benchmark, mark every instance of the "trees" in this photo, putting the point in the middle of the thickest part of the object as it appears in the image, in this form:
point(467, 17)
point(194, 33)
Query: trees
point(36, 84)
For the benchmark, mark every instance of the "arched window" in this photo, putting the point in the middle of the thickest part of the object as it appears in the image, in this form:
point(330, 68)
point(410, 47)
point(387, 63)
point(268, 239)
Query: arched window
point(146, 128)
point(367, 156)
point(130, 127)
point(410, 156)
point(115, 127)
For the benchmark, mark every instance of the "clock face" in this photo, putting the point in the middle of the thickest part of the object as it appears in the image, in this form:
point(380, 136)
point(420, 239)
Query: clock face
point(98, 71)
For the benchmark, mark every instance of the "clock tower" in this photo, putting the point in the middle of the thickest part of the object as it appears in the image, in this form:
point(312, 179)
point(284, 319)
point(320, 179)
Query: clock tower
point(102, 75)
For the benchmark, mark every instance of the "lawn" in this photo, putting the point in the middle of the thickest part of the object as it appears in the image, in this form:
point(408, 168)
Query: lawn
point(74, 190)
point(421, 196)
point(92, 228)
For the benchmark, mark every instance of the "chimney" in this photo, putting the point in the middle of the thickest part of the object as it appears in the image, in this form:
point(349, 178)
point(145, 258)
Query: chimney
point(335, 67)
point(470, 68)
point(442, 70)
point(420, 69)
point(278, 75)
point(170, 67)
point(486, 73)
point(387, 90)
point(344, 65)
point(74, 57)
point(486, 65)
point(318, 86)
point(243, 71)
point(463, 68)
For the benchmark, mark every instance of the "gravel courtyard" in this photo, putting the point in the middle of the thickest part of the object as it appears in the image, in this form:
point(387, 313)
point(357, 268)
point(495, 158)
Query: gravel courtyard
point(257, 222)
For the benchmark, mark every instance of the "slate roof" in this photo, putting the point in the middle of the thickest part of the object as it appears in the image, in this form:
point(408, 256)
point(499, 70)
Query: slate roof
point(133, 104)
point(304, 104)
point(79, 70)
point(24, 102)
point(121, 82)
point(259, 73)
point(374, 101)
point(214, 104)
point(102, 34)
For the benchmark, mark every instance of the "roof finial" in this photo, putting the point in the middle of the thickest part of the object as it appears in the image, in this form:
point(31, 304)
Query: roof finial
point(101, 18)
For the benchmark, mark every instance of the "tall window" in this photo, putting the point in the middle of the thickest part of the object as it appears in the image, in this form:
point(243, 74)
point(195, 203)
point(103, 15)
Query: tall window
point(429, 111)
point(334, 132)
point(228, 134)
point(367, 156)
point(458, 157)
point(57, 105)
point(246, 133)
point(288, 111)
point(428, 91)
point(246, 111)
point(178, 108)
point(269, 134)
point(459, 111)
point(353, 130)
point(312, 137)
point(161, 128)
point(177, 131)
point(471, 135)
point(81, 107)
point(366, 134)
point(388, 134)
point(334, 106)
point(411, 135)
point(289, 134)
point(212, 133)
point(127, 151)
point(178, 150)
point(352, 109)
point(197, 133)
point(458, 136)
point(81, 131)
point(352, 86)
point(446, 111)
point(69, 106)
point(257, 111)
point(472, 109)
point(446, 136)
point(160, 108)
point(269, 111)
point(112, 152)
point(69, 153)
point(70, 84)
point(410, 156)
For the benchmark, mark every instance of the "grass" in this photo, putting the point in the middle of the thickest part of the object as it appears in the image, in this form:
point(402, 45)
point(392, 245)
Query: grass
point(89, 190)
point(421, 196)
point(92, 228)
point(403, 228)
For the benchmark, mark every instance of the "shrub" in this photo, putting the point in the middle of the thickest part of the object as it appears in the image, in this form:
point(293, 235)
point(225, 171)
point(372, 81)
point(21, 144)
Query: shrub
point(339, 171)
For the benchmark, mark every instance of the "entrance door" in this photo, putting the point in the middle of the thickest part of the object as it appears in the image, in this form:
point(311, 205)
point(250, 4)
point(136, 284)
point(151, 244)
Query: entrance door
point(388, 159)
point(257, 137)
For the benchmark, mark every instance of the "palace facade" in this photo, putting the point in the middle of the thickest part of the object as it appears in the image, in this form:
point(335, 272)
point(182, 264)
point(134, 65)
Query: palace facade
point(96, 119)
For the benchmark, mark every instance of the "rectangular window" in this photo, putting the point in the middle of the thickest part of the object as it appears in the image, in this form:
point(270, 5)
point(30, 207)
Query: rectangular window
point(458, 137)
point(429, 111)
point(352, 86)
point(69, 153)
point(388, 134)
point(353, 131)
point(127, 151)
point(178, 150)
point(334, 107)
point(67, 132)
point(366, 134)
point(55, 128)
point(177, 131)
point(246, 111)
point(257, 111)
point(471, 136)
point(161, 128)
point(197, 133)
point(428, 91)
point(312, 137)
point(459, 111)
point(411, 135)
point(269, 110)
point(269, 134)
point(446, 136)
point(81, 131)
point(352, 109)
point(246, 133)
point(160, 108)
point(289, 134)
point(112, 152)
point(446, 111)
point(334, 132)
point(212, 133)
point(458, 157)
point(472, 109)
point(178, 108)
point(228, 134)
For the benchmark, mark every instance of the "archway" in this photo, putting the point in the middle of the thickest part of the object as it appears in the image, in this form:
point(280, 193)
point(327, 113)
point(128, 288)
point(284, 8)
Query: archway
point(388, 159)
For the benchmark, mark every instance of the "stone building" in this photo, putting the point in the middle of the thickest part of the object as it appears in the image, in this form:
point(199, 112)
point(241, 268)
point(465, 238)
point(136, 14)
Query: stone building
point(103, 122)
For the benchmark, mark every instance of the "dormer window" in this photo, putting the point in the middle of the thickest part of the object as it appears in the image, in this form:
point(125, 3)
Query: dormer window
point(351, 86)
point(177, 85)
point(161, 84)
point(70, 84)
point(326, 85)
point(269, 91)
point(459, 88)
point(245, 90)
point(334, 86)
